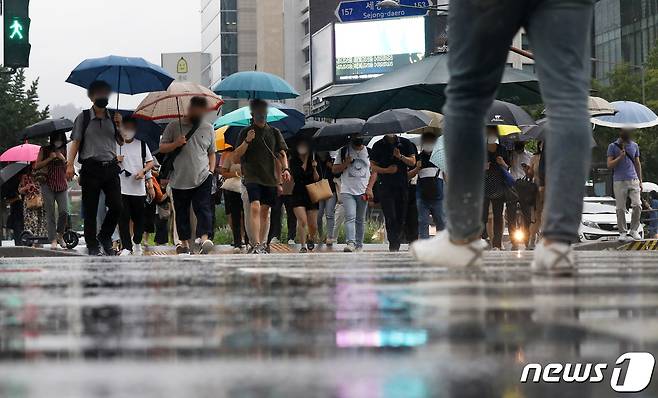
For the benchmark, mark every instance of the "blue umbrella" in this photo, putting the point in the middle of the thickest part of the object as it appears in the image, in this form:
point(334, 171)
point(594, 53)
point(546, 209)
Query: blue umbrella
point(255, 85)
point(630, 115)
point(242, 117)
point(125, 75)
point(291, 125)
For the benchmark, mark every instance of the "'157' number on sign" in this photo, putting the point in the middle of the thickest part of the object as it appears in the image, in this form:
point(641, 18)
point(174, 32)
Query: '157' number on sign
point(346, 11)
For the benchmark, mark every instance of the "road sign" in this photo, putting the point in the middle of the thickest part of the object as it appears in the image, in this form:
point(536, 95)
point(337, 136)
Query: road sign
point(368, 10)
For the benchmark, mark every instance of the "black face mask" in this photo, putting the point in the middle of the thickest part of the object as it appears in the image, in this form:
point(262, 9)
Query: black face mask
point(195, 120)
point(101, 102)
point(625, 136)
point(357, 141)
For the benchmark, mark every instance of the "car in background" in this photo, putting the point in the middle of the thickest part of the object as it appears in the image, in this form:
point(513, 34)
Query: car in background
point(599, 222)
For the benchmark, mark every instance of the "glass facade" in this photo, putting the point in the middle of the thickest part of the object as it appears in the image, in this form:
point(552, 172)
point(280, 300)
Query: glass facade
point(220, 39)
point(625, 31)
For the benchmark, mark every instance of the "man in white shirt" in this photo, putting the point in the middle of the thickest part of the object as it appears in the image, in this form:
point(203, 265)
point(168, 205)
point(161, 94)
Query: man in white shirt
point(136, 161)
point(356, 182)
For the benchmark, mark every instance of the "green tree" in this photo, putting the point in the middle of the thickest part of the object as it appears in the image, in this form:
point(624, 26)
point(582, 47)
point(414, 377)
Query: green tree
point(19, 106)
point(625, 84)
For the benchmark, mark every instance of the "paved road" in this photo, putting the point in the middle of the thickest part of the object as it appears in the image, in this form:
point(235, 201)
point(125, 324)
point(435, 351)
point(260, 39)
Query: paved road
point(321, 325)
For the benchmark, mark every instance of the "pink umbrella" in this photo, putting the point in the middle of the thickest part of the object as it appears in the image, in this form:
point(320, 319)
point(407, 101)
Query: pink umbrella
point(21, 153)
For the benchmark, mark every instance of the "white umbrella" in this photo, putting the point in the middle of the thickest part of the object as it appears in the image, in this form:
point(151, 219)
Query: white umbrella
point(630, 115)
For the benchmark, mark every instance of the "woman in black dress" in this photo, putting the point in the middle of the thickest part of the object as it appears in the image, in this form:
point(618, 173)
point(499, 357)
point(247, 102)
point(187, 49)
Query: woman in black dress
point(304, 171)
point(495, 187)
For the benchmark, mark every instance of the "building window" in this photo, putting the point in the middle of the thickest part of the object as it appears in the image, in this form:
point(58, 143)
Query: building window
point(229, 43)
point(229, 21)
point(307, 82)
point(525, 43)
point(229, 65)
point(228, 5)
point(529, 68)
point(307, 54)
point(307, 27)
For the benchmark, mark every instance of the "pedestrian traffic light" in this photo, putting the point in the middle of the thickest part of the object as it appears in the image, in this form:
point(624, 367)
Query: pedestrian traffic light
point(17, 33)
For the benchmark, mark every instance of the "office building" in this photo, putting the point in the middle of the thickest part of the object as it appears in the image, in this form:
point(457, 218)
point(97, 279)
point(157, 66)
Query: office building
point(625, 31)
point(242, 35)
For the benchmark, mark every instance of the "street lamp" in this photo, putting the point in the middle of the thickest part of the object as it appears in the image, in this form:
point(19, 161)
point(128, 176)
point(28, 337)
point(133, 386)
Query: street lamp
point(419, 5)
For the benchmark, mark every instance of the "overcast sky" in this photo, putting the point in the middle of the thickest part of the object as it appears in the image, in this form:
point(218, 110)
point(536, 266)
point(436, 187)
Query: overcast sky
point(65, 32)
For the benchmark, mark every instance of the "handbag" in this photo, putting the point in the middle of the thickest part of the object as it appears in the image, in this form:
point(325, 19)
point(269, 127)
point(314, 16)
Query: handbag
point(233, 184)
point(34, 201)
point(319, 191)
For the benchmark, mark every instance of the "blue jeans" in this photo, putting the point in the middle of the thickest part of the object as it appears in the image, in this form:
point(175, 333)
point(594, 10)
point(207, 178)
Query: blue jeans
point(428, 211)
point(328, 209)
point(481, 32)
point(355, 215)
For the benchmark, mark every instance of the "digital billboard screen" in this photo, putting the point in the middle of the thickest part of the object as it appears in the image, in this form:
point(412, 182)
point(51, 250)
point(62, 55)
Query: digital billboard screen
point(369, 49)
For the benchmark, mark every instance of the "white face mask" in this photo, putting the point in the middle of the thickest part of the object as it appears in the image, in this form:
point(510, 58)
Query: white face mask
point(128, 134)
point(58, 144)
point(427, 148)
point(492, 139)
point(302, 150)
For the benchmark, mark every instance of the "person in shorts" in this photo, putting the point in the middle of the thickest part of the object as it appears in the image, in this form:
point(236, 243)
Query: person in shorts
point(262, 153)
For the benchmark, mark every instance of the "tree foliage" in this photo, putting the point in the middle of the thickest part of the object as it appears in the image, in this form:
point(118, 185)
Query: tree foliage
point(19, 106)
point(625, 84)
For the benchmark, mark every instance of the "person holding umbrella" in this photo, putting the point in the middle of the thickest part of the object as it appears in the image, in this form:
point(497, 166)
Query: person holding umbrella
point(95, 137)
point(559, 32)
point(262, 151)
point(191, 142)
point(51, 163)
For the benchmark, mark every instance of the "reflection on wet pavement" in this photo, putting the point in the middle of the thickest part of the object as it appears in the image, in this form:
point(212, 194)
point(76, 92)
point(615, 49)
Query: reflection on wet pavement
point(327, 325)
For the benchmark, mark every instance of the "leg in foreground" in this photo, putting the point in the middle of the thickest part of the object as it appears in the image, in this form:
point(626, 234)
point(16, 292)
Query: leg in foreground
point(480, 43)
point(559, 32)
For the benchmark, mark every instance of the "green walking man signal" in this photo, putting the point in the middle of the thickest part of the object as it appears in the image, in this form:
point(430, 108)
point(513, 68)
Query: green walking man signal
point(16, 33)
point(16, 30)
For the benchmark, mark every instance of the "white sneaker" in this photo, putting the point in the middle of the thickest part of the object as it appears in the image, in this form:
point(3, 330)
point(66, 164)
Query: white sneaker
point(635, 235)
point(275, 241)
point(441, 252)
point(554, 259)
point(206, 247)
point(291, 242)
point(350, 248)
point(137, 249)
point(237, 250)
point(623, 237)
point(125, 252)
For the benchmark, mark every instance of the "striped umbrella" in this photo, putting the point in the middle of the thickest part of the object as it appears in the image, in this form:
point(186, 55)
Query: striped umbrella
point(174, 102)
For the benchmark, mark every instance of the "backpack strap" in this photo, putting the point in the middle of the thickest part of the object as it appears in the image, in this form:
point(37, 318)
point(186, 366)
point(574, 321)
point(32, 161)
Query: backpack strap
point(143, 153)
point(86, 120)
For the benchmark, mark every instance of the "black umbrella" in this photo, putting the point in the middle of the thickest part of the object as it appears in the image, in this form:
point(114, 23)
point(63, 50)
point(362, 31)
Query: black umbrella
point(538, 132)
point(337, 135)
point(505, 114)
point(45, 128)
point(396, 121)
point(11, 170)
point(420, 86)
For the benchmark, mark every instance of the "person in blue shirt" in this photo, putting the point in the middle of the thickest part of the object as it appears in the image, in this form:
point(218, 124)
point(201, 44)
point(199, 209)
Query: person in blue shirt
point(624, 161)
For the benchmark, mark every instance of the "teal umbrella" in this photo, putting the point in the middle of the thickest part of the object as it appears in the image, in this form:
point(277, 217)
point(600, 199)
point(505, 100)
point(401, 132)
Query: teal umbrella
point(255, 85)
point(242, 117)
point(420, 86)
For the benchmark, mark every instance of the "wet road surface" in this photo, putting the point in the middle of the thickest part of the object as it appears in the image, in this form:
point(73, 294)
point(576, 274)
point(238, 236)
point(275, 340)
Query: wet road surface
point(325, 325)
